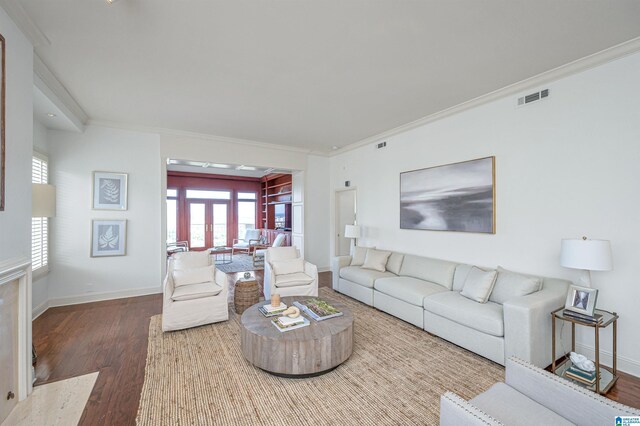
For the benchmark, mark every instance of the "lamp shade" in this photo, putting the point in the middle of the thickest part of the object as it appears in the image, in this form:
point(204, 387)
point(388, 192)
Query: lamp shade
point(43, 199)
point(352, 231)
point(591, 255)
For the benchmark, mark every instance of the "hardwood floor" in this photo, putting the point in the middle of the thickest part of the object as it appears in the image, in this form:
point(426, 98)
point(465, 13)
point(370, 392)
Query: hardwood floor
point(111, 337)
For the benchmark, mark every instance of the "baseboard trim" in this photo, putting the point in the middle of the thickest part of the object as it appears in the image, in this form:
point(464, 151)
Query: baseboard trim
point(39, 310)
point(625, 364)
point(324, 269)
point(98, 297)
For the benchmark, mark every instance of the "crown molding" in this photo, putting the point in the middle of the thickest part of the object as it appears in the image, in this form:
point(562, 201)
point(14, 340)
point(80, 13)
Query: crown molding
point(599, 58)
point(204, 137)
point(24, 22)
point(47, 82)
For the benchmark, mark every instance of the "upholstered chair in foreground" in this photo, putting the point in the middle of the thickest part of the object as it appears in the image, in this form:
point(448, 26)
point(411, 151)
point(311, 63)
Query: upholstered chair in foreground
point(246, 244)
point(288, 274)
point(195, 292)
point(532, 396)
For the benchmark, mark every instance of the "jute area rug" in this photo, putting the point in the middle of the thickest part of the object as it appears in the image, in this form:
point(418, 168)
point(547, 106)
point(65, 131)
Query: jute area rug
point(240, 263)
point(395, 376)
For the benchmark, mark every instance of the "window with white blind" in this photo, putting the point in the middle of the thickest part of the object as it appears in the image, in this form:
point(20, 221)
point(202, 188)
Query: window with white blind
point(39, 225)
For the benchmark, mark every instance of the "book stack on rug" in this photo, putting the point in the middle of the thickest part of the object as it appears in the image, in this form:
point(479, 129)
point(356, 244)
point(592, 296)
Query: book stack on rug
point(579, 375)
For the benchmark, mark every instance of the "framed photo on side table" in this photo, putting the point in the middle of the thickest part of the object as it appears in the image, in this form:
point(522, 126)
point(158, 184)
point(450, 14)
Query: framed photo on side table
point(108, 238)
point(581, 300)
point(109, 191)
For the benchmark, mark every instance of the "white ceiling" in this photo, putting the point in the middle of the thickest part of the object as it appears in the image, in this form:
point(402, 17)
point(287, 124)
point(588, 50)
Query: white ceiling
point(244, 170)
point(306, 73)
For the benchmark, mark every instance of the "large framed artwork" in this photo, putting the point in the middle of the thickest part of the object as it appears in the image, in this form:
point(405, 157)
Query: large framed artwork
point(108, 238)
point(453, 197)
point(109, 191)
point(2, 114)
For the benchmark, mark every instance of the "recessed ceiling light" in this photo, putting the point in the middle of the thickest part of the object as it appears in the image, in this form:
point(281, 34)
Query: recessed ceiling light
point(220, 166)
point(52, 115)
point(111, 1)
point(335, 147)
point(243, 167)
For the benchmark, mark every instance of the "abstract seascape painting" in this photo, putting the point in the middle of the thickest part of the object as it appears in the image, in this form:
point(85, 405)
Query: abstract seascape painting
point(454, 197)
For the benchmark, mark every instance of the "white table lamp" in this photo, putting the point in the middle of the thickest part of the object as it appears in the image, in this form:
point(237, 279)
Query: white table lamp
point(587, 255)
point(353, 232)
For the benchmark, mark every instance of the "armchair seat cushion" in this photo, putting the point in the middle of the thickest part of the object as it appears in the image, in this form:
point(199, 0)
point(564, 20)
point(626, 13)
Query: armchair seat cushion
point(241, 244)
point(484, 317)
point(407, 289)
point(363, 277)
point(293, 280)
point(510, 407)
point(195, 291)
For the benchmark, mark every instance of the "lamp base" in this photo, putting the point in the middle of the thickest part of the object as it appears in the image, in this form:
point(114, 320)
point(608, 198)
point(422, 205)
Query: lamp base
point(585, 278)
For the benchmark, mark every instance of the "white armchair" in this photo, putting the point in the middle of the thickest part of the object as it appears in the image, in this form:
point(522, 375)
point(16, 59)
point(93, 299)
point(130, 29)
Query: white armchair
point(259, 253)
point(288, 274)
point(246, 244)
point(194, 292)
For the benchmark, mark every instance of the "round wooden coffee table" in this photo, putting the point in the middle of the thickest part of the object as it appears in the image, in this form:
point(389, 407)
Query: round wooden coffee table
point(307, 351)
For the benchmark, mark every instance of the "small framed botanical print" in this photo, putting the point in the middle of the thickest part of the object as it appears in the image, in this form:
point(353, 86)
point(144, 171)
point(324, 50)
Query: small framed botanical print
point(109, 191)
point(108, 238)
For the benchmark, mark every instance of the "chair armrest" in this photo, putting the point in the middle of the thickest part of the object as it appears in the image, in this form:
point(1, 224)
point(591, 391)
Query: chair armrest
point(222, 280)
point(311, 270)
point(268, 280)
point(236, 241)
point(338, 263)
point(455, 411)
point(562, 396)
point(527, 323)
point(168, 287)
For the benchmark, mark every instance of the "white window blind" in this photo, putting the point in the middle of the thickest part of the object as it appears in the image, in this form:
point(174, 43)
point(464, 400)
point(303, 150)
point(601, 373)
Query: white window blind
point(39, 225)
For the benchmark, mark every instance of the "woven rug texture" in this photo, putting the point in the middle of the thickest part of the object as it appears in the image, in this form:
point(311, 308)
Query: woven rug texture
point(395, 376)
point(240, 263)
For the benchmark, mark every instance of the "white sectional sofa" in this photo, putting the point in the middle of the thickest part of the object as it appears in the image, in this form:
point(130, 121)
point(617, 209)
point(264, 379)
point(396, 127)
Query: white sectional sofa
point(428, 293)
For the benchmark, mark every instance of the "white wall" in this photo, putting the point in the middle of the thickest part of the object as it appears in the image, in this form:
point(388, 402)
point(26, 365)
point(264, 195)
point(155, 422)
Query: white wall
point(565, 167)
point(40, 295)
point(317, 212)
point(15, 220)
point(75, 276)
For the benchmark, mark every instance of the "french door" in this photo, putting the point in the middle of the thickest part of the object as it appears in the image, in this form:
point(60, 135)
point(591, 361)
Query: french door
point(208, 220)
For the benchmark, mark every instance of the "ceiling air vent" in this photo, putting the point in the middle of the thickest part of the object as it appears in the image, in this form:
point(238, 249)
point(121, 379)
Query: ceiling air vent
point(381, 145)
point(532, 97)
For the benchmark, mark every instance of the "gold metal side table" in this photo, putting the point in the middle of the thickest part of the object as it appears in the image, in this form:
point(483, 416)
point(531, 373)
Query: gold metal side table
point(606, 377)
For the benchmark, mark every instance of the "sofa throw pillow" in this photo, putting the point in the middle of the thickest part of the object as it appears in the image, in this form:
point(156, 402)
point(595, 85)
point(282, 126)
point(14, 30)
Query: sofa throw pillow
point(358, 255)
point(376, 260)
point(511, 284)
point(192, 276)
point(479, 284)
point(289, 266)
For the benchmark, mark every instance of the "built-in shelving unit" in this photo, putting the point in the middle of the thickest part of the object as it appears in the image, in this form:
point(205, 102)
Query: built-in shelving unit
point(276, 202)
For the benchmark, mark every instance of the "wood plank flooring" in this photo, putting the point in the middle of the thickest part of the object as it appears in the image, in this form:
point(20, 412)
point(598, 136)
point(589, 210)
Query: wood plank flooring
point(111, 337)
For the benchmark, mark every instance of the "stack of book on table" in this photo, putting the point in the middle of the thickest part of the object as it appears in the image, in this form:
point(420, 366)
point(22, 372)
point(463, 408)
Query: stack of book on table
point(271, 311)
point(595, 319)
point(287, 324)
point(585, 377)
point(318, 309)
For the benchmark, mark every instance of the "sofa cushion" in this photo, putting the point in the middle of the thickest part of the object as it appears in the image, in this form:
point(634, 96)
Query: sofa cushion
point(191, 259)
point(183, 277)
point(376, 260)
point(428, 269)
point(484, 317)
point(479, 284)
point(288, 266)
point(407, 289)
point(394, 263)
point(358, 255)
point(511, 284)
point(460, 276)
point(510, 407)
point(292, 280)
point(364, 277)
point(195, 291)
